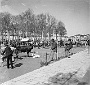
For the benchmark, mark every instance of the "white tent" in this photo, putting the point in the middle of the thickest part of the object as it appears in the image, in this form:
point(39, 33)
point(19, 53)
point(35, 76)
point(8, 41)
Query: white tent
point(25, 39)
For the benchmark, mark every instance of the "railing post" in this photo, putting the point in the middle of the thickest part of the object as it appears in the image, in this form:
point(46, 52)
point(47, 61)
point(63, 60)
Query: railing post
point(46, 59)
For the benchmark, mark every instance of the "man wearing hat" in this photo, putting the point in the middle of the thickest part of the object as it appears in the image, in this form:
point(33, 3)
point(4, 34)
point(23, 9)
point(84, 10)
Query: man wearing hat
point(53, 49)
point(69, 46)
point(88, 43)
point(8, 54)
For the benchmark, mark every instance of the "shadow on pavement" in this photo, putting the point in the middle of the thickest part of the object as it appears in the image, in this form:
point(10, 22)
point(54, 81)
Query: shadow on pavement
point(18, 65)
point(82, 83)
point(25, 56)
point(20, 58)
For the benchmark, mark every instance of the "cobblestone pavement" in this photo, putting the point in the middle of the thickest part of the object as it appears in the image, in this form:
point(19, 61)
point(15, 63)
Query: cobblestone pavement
point(26, 65)
point(86, 78)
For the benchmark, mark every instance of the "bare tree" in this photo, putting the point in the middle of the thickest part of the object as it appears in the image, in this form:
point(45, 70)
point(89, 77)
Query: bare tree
point(51, 24)
point(29, 21)
point(41, 24)
point(5, 22)
point(61, 29)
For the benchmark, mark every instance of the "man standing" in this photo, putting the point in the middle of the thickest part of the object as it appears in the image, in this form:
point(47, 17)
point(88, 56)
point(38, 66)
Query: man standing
point(68, 47)
point(53, 49)
point(88, 43)
point(8, 54)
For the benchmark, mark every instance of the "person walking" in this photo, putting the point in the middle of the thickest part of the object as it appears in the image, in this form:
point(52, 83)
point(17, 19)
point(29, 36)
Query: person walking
point(88, 43)
point(8, 54)
point(68, 47)
point(53, 50)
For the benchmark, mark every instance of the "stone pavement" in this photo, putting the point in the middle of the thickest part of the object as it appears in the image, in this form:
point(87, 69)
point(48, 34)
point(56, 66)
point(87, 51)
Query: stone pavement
point(86, 78)
point(78, 62)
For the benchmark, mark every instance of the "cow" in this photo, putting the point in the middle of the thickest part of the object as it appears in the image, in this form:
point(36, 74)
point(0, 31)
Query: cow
point(25, 47)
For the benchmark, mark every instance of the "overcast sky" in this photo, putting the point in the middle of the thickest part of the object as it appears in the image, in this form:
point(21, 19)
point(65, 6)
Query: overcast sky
point(73, 13)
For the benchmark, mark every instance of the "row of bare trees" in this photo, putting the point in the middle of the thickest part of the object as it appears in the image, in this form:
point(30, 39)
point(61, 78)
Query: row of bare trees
point(28, 24)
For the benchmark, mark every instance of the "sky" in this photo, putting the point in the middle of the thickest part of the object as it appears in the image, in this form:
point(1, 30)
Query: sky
point(75, 14)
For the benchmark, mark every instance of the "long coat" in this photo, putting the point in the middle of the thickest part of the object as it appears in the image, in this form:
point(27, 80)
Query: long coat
point(54, 46)
point(7, 51)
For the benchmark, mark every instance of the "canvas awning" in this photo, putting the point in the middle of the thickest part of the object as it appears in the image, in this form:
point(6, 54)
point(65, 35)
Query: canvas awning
point(25, 39)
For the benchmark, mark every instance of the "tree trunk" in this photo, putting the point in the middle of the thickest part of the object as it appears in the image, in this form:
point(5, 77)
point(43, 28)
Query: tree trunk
point(60, 37)
point(56, 36)
point(42, 35)
point(26, 33)
point(53, 33)
point(13, 35)
point(48, 35)
point(8, 36)
point(2, 35)
point(5, 36)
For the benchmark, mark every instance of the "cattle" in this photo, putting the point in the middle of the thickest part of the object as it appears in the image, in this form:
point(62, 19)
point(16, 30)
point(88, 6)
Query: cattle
point(24, 46)
point(25, 49)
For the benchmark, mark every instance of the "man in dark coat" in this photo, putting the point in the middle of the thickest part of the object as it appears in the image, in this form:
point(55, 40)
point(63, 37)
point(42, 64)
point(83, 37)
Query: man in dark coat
point(53, 49)
point(8, 54)
point(88, 43)
point(68, 47)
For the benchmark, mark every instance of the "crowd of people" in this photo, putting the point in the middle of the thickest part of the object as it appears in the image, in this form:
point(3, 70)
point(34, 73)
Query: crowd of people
point(8, 53)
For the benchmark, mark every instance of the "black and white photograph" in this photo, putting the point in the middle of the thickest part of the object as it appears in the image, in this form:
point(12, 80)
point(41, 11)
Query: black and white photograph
point(44, 42)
